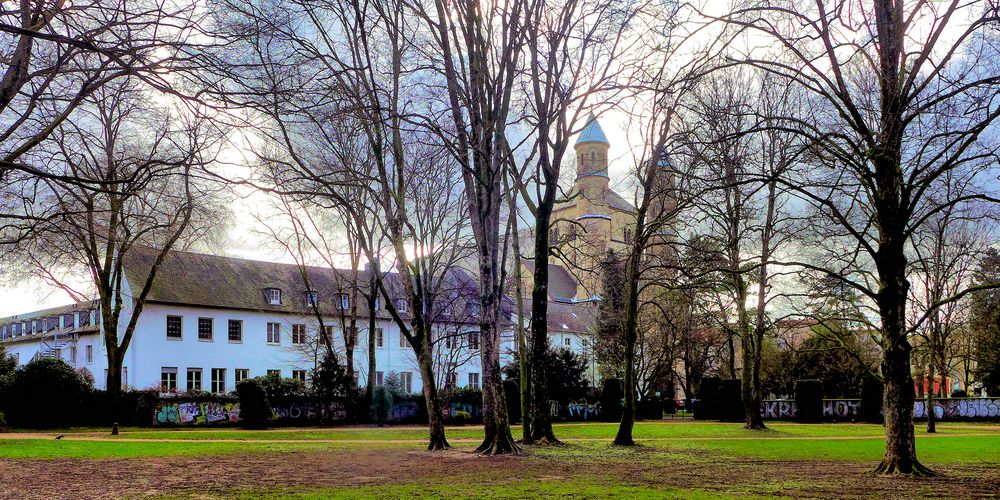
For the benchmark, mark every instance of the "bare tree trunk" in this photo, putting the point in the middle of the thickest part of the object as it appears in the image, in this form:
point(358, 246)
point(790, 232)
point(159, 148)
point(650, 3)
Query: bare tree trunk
point(900, 445)
point(541, 428)
point(435, 413)
point(496, 426)
point(624, 435)
point(524, 381)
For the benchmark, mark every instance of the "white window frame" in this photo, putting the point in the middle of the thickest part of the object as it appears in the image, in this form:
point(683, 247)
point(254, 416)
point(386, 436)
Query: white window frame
point(211, 329)
point(229, 328)
point(379, 338)
point(218, 380)
point(237, 372)
point(168, 370)
point(406, 380)
point(90, 354)
point(311, 298)
point(298, 334)
point(299, 375)
point(379, 377)
point(273, 333)
point(474, 380)
point(190, 379)
point(180, 327)
point(274, 296)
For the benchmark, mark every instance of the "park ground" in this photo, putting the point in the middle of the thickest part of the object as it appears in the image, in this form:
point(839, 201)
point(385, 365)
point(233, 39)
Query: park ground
point(681, 459)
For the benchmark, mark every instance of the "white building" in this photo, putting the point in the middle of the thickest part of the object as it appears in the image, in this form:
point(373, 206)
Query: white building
point(209, 322)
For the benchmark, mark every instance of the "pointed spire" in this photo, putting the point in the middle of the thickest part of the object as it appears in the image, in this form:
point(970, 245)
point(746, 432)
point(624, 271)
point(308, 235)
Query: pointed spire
point(592, 132)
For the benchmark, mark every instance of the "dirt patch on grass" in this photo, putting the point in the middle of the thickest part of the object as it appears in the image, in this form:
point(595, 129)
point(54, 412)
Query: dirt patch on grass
point(223, 475)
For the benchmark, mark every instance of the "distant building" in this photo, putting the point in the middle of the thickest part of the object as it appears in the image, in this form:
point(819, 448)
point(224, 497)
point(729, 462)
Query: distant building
point(212, 321)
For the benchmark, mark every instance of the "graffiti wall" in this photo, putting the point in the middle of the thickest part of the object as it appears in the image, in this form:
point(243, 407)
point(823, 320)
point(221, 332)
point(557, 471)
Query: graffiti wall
point(958, 409)
point(944, 409)
point(173, 412)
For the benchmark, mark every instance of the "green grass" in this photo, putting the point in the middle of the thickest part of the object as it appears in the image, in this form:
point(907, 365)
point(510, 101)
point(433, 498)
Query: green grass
point(784, 441)
point(642, 431)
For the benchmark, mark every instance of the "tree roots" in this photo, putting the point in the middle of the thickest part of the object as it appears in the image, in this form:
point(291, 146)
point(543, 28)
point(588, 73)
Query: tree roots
point(892, 468)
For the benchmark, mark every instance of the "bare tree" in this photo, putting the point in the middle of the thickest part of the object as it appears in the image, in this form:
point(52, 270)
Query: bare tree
point(153, 201)
point(57, 54)
point(945, 253)
point(477, 49)
point(901, 96)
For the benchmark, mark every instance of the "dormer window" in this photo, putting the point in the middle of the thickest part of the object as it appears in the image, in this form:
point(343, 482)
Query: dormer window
point(345, 301)
point(273, 296)
point(312, 298)
point(401, 305)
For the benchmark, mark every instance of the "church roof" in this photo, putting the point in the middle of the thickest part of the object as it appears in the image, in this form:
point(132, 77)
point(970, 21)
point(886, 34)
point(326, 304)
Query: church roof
point(592, 132)
point(562, 285)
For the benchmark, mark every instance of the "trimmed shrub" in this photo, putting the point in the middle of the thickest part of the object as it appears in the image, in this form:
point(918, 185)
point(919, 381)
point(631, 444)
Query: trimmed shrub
point(255, 409)
point(381, 405)
point(731, 401)
point(512, 393)
point(809, 400)
point(45, 393)
point(612, 397)
point(669, 406)
point(871, 400)
point(707, 407)
point(650, 408)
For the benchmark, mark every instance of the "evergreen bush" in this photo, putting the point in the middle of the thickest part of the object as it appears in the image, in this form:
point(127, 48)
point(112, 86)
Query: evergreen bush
point(809, 400)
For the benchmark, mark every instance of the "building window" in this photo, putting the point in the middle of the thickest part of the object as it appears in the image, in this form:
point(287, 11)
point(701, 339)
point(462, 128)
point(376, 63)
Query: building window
point(194, 379)
point(449, 343)
point(274, 333)
point(206, 329)
point(83, 318)
point(402, 340)
point(406, 379)
point(378, 303)
point(173, 327)
point(168, 379)
point(627, 235)
point(379, 378)
point(452, 378)
point(474, 380)
point(72, 355)
point(235, 330)
point(218, 380)
point(298, 334)
point(90, 354)
point(299, 375)
point(474, 341)
point(402, 305)
point(379, 337)
point(273, 296)
point(274, 373)
point(345, 301)
point(241, 374)
point(566, 342)
point(312, 298)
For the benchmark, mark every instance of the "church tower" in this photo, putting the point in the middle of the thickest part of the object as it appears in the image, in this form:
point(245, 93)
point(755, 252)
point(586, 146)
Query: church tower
point(592, 167)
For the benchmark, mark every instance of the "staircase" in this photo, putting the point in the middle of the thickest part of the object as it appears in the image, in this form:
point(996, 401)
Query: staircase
point(53, 343)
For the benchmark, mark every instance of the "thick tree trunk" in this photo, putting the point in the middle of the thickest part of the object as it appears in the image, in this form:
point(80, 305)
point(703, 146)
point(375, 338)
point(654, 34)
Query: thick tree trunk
point(900, 445)
point(624, 435)
point(435, 411)
point(751, 379)
point(541, 428)
point(496, 424)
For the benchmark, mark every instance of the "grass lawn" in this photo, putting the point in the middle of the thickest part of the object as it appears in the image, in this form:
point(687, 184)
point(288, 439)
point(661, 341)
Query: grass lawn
point(677, 459)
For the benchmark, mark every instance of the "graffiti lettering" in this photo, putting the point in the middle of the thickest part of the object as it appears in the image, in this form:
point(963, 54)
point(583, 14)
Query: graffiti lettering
point(956, 409)
point(778, 409)
point(583, 410)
